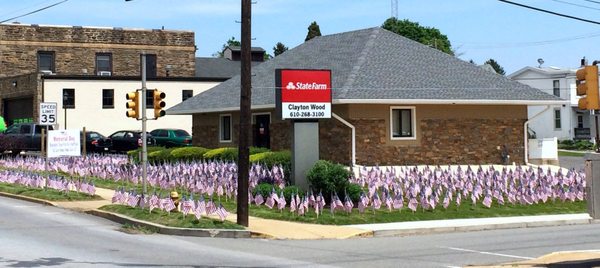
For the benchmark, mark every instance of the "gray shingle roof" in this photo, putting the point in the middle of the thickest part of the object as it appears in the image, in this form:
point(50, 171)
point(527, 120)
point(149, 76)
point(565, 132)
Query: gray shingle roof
point(220, 68)
point(373, 64)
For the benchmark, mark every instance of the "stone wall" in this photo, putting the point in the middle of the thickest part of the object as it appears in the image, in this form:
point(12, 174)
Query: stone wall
point(75, 49)
point(442, 142)
point(22, 86)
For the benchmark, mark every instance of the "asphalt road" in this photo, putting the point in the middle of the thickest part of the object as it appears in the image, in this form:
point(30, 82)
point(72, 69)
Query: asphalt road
point(33, 235)
point(570, 162)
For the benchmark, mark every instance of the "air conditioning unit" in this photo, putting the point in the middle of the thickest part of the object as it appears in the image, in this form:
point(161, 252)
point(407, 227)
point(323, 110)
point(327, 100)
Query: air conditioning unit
point(46, 72)
point(104, 73)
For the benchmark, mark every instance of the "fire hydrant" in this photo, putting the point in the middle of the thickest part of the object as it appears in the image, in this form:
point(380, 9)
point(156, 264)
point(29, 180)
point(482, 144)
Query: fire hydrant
point(175, 198)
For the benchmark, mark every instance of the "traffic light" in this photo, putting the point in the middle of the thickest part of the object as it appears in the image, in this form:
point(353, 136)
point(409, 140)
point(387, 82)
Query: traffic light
point(159, 104)
point(133, 104)
point(587, 86)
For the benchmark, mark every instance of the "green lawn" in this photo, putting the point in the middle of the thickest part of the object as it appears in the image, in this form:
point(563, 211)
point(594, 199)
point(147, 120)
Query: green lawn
point(173, 219)
point(46, 194)
point(383, 215)
point(565, 153)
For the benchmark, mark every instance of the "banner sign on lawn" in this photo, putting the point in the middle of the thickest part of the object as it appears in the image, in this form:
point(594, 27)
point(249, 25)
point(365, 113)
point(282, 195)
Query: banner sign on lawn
point(64, 143)
point(303, 94)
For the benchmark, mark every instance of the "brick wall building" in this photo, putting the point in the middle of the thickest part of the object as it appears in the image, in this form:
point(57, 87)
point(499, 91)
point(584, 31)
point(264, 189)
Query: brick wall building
point(28, 53)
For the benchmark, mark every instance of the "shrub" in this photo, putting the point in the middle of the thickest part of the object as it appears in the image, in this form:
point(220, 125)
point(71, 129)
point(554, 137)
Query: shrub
point(225, 154)
point(264, 189)
point(583, 145)
point(258, 150)
point(187, 154)
point(269, 159)
point(160, 156)
point(353, 192)
point(134, 155)
point(288, 191)
point(329, 178)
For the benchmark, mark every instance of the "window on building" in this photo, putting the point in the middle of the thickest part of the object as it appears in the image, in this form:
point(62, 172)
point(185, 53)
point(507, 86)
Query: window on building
point(556, 87)
point(580, 121)
point(46, 61)
point(108, 98)
point(68, 98)
point(225, 128)
point(150, 66)
point(149, 99)
point(557, 124)
point(402, 122)
point(103, 63)
point(186, 94)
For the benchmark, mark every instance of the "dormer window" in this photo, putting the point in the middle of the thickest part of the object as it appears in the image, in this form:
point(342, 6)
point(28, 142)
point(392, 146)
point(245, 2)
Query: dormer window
point(104, 64)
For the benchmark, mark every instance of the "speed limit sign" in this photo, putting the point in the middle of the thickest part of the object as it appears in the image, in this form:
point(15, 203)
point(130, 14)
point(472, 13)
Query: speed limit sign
point(47, 113)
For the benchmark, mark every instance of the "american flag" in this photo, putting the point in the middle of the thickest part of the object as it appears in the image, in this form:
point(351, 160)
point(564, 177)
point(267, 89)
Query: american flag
point(281, 204)
point(293, 203)
point(187, 206)
point(259, 199)
point(154, 202)
point(222, 212)
point(270, 202)
point(348, 205)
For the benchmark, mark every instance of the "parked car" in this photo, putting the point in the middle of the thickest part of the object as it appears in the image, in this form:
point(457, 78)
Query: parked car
point(127, 140)
point(170, 137)
point(96, 142)
point(22, 137)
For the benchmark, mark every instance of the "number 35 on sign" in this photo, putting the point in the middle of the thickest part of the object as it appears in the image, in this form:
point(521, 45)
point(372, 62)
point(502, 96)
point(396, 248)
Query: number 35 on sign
point(48, 113)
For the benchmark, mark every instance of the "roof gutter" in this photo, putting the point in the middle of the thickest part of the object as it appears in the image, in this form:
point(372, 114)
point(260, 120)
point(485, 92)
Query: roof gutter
point(393, 101)
point(525, 133)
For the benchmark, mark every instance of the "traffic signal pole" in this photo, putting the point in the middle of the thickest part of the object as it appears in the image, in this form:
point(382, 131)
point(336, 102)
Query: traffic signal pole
point(144, 135)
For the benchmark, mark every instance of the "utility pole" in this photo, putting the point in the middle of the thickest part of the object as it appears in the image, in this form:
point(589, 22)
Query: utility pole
point(245, 113)
point(144, 135)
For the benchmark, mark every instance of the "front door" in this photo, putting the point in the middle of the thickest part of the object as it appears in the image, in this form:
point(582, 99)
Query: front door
point(260, 131)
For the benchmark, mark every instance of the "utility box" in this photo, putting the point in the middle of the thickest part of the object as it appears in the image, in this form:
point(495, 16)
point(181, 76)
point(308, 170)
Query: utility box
point(592, 184)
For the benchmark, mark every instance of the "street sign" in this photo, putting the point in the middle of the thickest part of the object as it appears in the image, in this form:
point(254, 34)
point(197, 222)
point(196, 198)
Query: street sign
point(65, 142)
point(48, 113)
point(303, 94)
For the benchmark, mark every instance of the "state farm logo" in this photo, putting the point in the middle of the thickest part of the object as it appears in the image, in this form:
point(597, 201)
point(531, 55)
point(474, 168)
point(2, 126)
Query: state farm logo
point(290, 86)
point(305, 86)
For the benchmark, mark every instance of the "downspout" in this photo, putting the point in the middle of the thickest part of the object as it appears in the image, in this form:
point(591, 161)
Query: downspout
point(525, 132)
point(353, 136)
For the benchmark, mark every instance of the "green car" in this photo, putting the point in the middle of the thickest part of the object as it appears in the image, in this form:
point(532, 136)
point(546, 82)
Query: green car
point(171, 137)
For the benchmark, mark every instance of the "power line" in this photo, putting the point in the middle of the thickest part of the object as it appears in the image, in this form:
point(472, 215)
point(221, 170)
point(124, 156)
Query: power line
point(550, 12)
point(592, 1)
point(35, 11)
point(473, 45)
point(573, 4)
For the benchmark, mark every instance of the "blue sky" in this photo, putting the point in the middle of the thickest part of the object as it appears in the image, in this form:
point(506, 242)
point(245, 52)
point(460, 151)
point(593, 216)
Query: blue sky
point(478, 29)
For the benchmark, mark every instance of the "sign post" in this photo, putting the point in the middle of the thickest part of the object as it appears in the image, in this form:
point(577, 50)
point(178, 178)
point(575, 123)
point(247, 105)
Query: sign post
point(305, 97)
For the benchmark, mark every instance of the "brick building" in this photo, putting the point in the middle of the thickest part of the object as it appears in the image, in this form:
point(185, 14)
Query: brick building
point(84, 67)
point(408, 104)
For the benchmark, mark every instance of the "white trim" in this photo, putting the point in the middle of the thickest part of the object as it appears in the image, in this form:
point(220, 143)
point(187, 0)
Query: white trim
point(227, 109)
point(221, 140)
point(446, 101)
point(413, 122)
point(261, 113)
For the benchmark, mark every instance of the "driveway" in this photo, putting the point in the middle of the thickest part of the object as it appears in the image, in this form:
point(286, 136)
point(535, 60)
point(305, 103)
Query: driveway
point(570, 162)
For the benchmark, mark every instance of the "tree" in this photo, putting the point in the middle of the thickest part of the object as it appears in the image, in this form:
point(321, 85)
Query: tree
point(313, 31)
point(279, 48)
point(425, 35)
point(231, 42)
point(496, 66)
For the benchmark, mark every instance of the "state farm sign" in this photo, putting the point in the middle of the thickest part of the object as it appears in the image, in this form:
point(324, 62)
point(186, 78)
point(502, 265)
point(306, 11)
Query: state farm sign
point(303, 94)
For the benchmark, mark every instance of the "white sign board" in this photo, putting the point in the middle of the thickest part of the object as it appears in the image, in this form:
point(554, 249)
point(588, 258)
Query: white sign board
point(64, 143)
point(48, 113)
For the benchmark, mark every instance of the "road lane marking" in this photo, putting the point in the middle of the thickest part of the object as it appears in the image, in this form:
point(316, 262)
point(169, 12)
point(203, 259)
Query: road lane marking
point(489, 253)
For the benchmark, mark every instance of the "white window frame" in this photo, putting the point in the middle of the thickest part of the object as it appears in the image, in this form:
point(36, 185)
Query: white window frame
point(559, 118)
point(556, 87)
point(413, 122)
point(221, 140)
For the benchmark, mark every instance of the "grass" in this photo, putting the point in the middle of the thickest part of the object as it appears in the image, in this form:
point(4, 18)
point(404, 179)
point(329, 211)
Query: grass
point(46, 194)
point(173, 219)
point(136, 229)
point(568, 153)
point(383, 215)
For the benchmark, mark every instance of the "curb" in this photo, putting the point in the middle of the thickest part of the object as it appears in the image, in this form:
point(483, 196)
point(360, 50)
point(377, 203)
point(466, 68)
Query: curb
point(27, 198)
point(221, 233)
point(485, 227)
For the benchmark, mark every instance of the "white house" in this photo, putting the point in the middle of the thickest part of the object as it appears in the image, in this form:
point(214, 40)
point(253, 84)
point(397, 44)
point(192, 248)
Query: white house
point(564, 122)
point(99, 104)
